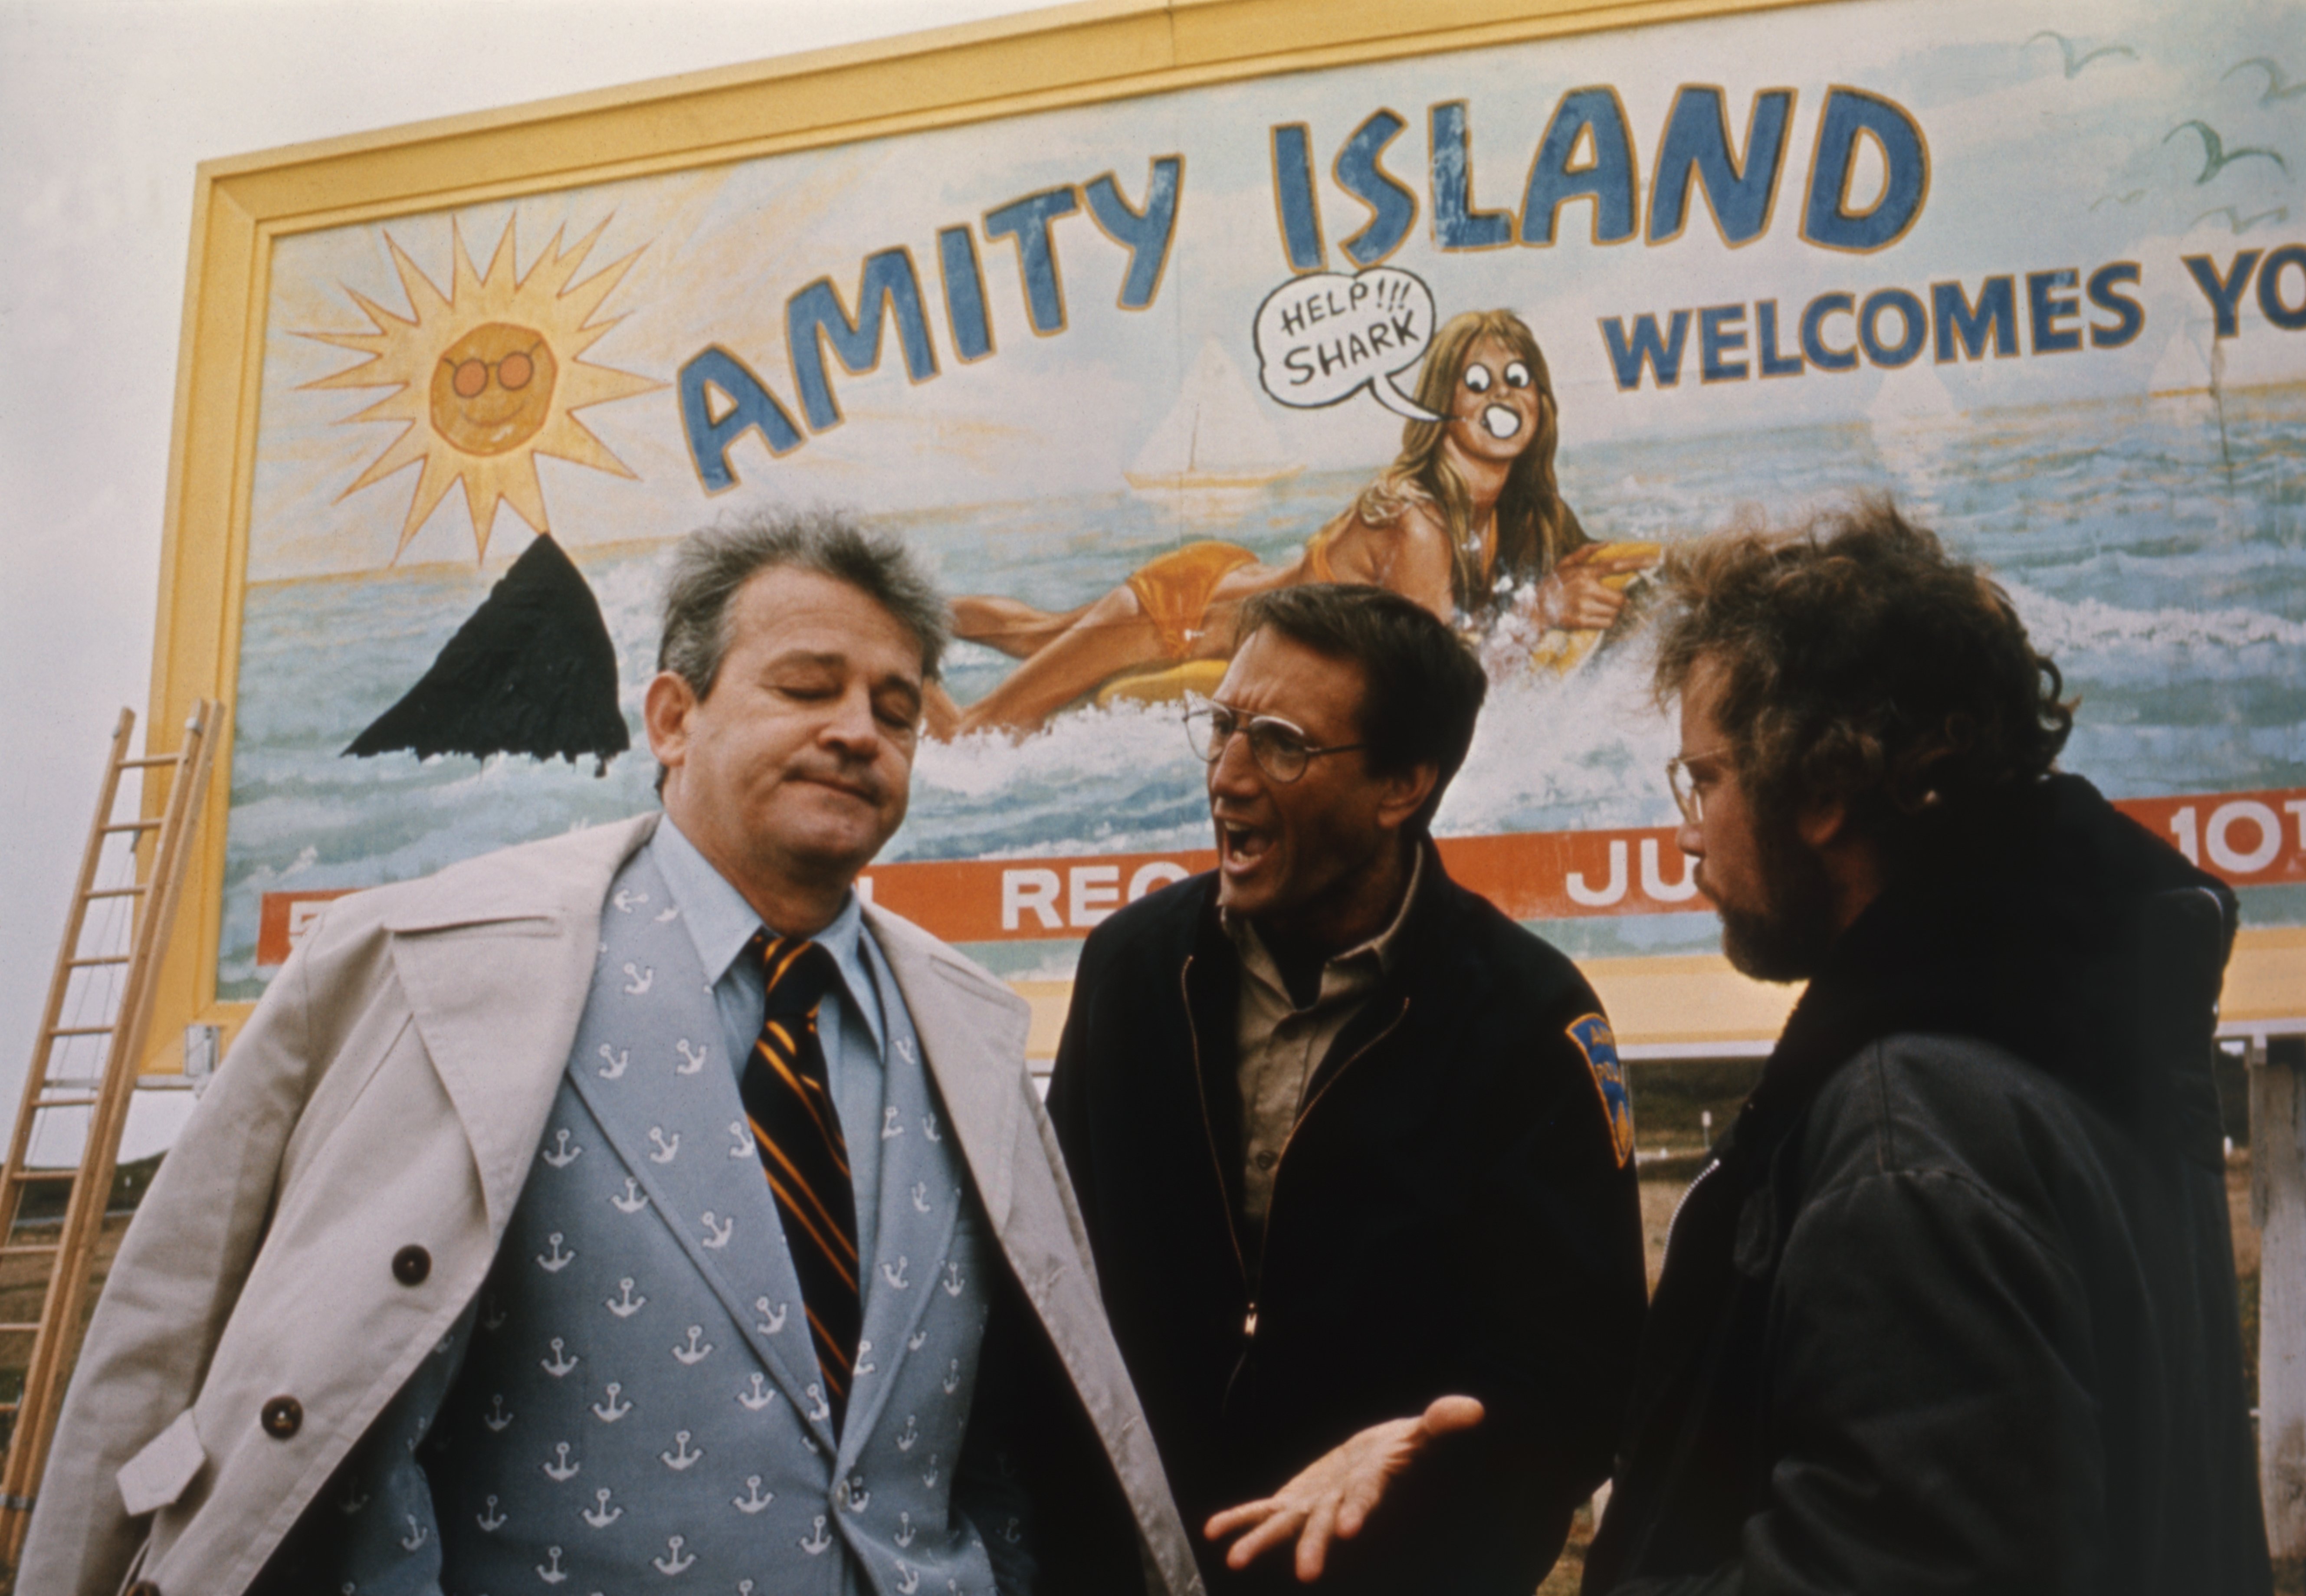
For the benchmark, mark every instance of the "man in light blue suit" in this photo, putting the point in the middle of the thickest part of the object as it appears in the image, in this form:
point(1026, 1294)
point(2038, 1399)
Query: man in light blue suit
point(635, 1210)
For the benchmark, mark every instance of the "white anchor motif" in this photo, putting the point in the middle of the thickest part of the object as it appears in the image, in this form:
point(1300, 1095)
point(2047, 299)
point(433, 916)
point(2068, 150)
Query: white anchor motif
point(667, 917)
point(560, 1468)
point(496, 1418)
point(772, 1319)
point(626, 1305)
point(492, 1521)
point(642, 980)
point(609, 1411)
point(905, 1530)
point(417, 1534)
point(676, 1563)
point(818, 1540)
point(627, 898)
point(693, 1353)
point(757, 1395)
point(692, 1058)
point(555, 1574)
point(951, 1381)
point(755, 1498)
point(920, 1197)
point(744, 1587)
point(916, 1340)
point(895, 1275)
point(745, 1148)
point(559, 1363)
point(929, 1475)
point(889, 1126)
point(600, 1516)
point(440, 1348)
point(634, 1200)
point(865, 1365)
point(928, 1125)
point(615, 1067)
point(717, 1231)
point(1012, 1532)
point(666, 1151)
point(493, 1315)
point(953, 1282)
point(907, 1580)
point(907, 1438)
point(856, 1497)
point(905, 1048)
point(563, 1154)
point(553, 1262)
point(680, 1457)
point(819, 1410)
point(354, 1501)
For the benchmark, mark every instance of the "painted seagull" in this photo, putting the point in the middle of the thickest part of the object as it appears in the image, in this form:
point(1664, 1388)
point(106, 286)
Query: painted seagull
point(2277, 85)
point(2239, 223)
point(2215, 156)
point(2075, 62)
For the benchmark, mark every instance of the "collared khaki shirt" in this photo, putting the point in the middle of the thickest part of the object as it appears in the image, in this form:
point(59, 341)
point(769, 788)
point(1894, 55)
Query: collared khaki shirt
point(1280, 1045)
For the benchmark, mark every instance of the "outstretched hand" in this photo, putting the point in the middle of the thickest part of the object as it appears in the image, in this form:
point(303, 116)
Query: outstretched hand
point(1576, 596)
point(1333, 1497)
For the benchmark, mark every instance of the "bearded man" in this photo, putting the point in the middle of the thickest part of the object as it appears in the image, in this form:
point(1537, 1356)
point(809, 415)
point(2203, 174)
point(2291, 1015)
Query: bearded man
point(1952, 1305)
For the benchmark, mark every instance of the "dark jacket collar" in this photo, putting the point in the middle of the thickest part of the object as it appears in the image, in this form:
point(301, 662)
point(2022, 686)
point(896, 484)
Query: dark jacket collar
point(2061, 930)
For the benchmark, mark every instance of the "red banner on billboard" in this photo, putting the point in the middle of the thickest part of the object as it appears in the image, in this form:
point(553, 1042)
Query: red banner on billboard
point(2248, 838)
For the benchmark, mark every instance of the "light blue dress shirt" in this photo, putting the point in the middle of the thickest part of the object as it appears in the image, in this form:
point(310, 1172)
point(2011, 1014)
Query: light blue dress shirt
point(849, 1023)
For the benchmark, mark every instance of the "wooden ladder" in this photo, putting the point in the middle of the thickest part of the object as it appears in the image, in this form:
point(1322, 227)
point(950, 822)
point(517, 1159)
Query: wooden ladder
point(111, 1017)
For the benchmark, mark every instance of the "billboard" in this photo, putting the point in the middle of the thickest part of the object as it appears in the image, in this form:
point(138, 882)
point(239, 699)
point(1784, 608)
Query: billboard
point(1491, 312)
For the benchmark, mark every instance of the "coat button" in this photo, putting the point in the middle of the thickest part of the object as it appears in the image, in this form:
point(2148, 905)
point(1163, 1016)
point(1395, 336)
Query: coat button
point(283, 1417)
point(411, 1265)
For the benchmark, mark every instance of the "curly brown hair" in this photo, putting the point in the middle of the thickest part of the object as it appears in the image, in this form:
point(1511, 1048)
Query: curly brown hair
point(1865, 666)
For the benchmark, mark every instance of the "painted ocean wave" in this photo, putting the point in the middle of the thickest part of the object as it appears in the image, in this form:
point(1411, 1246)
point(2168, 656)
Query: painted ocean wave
point(2157, 549)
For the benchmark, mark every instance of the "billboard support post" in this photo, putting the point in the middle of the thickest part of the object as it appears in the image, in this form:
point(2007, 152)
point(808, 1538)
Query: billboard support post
point(2278, 1207)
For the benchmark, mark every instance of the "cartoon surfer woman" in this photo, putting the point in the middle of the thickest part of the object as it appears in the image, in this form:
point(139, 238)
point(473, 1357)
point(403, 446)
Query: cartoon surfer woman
point(1467, 521)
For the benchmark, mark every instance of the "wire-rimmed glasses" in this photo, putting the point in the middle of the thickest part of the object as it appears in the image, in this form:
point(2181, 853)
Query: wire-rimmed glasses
point(1280, 748)
point(1686, 793)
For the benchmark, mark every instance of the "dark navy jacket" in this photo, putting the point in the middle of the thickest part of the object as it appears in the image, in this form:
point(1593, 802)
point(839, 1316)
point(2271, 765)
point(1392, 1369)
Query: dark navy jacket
point(1954, 1308)
point(1452, 1214)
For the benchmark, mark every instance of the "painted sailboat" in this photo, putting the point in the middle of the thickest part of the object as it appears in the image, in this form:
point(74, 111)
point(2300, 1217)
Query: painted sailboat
point(1215, 451)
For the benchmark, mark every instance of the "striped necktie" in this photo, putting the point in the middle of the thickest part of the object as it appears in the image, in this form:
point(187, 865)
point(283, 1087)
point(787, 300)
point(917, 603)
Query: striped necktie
point(789, 1101)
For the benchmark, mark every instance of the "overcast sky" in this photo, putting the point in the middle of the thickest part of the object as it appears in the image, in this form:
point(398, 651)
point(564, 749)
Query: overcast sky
point(106, 107)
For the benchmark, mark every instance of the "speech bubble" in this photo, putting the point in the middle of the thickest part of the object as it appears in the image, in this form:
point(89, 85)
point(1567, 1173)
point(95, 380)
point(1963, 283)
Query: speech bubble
point(1324, 337)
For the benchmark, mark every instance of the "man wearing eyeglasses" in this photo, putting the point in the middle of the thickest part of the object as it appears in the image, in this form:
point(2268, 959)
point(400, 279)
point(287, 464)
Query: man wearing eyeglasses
point(1367, 1229)
point(1953, 1306)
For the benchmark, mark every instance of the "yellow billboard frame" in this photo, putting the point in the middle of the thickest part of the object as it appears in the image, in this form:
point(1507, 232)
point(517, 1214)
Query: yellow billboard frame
point(1069, 56)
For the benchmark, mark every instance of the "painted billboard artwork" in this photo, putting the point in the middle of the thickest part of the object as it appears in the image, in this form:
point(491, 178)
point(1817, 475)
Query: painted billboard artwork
point(1494, 328)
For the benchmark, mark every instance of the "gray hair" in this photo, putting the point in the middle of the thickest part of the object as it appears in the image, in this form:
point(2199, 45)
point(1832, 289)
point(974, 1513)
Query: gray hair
point(711, 564)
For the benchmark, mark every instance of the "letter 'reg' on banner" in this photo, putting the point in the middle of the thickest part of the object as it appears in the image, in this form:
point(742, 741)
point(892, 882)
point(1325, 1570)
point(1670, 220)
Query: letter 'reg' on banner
point(1854, 118)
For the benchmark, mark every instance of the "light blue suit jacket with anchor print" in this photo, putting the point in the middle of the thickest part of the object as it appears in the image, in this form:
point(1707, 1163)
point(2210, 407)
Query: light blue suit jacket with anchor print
point(390, 1103)
point(637, 1398)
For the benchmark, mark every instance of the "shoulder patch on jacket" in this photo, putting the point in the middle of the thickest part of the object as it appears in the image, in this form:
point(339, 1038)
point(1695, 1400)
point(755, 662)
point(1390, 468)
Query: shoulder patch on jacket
point(1599, 1044)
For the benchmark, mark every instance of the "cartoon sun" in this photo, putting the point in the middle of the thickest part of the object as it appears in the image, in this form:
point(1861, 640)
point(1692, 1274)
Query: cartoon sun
point(486, 378)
